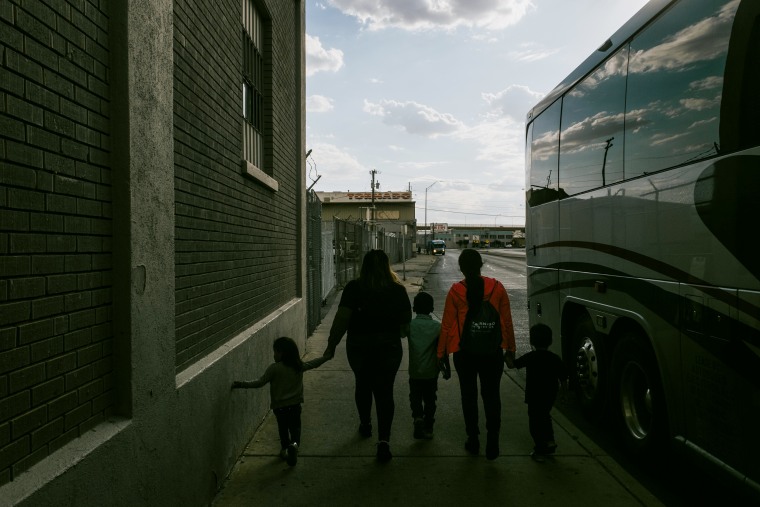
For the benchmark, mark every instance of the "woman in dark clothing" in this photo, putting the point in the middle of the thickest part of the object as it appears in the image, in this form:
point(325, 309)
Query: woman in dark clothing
point(376, 312)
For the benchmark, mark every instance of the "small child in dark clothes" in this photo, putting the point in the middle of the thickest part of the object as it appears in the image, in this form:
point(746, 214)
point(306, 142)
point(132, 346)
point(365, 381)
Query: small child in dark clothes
point(545, 373)
point(423, 365)
point(285, 379)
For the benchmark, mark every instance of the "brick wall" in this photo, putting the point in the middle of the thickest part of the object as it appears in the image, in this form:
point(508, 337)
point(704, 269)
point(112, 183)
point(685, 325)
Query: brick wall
point(55, 227)
point(236, 240)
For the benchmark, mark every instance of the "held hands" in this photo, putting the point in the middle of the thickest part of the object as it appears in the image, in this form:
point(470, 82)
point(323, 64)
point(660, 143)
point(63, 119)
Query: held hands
point(445, 367)
point(509, 359)
point(329, 352)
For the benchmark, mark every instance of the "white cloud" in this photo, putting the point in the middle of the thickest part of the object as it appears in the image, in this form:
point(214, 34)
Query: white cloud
point(531, 53)
point(483, 37)
point(575, 137)
point(658, 139)
point(707, 83)
point(414, 118)
point(499, 139)
point(338, 167)
point(699, 42)
point(514, 101)
point(703, 122)
point(434, 14)
point(318, 104)
point(697, 104)
point(320, 59)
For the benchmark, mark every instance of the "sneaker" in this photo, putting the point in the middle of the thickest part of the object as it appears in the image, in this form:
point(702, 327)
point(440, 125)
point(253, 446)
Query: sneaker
point(419, 428)
point(384, 451)
point(537, 456)
point(365, 430)
point(429, 422)
point(492, 446)
point(472, 445)
point(292, 454)
point(284, 453)
point(551, 447)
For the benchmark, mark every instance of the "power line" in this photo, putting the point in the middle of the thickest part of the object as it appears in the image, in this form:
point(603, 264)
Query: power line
point(481, 214)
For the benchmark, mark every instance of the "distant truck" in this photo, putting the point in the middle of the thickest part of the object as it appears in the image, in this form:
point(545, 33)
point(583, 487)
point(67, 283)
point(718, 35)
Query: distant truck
point(438, 247)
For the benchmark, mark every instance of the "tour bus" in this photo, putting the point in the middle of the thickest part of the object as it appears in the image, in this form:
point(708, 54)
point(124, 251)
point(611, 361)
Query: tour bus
point(643, 195)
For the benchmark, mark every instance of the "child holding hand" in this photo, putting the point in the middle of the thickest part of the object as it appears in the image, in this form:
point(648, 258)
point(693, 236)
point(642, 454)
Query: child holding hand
point(423, 365)
point(545, 374)
point(285, 379)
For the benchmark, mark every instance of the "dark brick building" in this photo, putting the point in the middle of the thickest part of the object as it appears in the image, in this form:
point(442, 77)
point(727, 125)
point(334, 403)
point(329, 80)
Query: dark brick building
point(152, 203)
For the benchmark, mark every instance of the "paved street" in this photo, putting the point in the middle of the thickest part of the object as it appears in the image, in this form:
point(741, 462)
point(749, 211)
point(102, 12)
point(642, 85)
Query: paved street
point(337, 467)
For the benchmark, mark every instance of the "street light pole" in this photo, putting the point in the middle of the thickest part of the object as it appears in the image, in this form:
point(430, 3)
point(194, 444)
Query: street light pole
point(426, 229)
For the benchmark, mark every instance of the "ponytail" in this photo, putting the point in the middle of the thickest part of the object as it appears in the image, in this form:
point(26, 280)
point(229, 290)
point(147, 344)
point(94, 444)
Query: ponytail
point(470, 263)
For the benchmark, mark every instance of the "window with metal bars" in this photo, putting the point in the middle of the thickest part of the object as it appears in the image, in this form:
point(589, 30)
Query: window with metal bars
point(253, 98)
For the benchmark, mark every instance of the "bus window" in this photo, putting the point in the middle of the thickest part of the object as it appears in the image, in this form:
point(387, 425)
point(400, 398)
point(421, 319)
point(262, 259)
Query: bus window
point(675, 78)
point(544, 149)
point(591, 141)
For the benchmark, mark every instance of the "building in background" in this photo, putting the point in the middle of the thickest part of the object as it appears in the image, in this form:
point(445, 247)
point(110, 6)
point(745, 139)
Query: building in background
point(392, 212)
point(475, 236)
point(151, 243)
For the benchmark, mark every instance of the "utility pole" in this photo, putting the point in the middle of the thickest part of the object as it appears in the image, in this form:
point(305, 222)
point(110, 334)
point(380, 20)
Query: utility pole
point(373, 172)
point(604, 162)
point(426, 230)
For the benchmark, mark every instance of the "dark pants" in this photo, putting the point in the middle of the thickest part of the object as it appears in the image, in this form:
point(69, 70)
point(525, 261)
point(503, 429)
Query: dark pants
point(288, 424)
point(375, 369)
point(489, 368)
point(422, 398)
point(540, 423)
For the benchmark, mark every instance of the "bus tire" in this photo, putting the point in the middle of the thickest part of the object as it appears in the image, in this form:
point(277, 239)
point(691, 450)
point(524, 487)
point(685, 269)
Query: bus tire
point(638, 406)
point(589, 375)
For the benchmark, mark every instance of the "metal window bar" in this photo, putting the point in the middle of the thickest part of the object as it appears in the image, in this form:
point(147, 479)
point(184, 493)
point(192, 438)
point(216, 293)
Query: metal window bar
point(253, 99)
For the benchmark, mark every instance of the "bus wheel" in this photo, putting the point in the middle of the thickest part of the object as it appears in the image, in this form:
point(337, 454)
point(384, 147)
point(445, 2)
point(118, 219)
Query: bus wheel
point(638, 405)
point(589, 368)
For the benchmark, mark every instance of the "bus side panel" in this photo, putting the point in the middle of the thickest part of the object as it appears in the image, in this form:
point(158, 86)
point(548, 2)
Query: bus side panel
point(542, 254)
point(543, 302)
point(542, 233)
point(653, 228)
point(750, 338)
point(721, 354)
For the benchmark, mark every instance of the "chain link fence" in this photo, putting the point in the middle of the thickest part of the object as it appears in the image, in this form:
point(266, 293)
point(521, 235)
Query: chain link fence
point(334, 251)
point(314, 261)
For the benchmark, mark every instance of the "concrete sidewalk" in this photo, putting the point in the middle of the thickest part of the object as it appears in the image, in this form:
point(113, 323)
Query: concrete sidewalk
point(337, 467)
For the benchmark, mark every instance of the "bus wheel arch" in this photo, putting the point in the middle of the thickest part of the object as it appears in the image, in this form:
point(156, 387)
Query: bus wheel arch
point(637, 398)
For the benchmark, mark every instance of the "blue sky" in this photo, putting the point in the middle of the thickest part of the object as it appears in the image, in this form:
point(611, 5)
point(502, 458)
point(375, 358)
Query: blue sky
point(433, 94)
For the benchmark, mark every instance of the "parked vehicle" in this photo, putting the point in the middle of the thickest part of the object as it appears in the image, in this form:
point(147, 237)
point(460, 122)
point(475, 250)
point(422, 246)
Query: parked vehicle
point(642, 180)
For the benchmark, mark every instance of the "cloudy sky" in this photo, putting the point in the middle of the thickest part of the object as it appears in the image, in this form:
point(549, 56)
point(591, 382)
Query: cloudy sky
point(432, 94)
